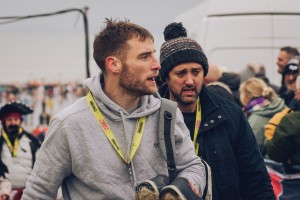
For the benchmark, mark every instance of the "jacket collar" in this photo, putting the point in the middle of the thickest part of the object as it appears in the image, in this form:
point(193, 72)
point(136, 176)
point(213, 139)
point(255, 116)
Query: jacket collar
point(212, 115)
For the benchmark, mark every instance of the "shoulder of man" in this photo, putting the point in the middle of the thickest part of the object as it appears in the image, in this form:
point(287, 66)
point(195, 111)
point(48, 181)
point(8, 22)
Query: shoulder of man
point(272, 124)
point(210, 99)
point(78, 106)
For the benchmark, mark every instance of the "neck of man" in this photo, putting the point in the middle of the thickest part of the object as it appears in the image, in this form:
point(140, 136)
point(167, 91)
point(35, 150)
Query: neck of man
point(187, 108)
point(120, 96)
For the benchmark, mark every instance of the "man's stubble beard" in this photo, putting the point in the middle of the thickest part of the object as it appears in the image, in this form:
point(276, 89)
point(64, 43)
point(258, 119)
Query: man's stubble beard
point(133, 85)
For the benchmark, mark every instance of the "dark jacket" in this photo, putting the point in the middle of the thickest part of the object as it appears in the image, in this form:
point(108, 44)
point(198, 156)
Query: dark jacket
point(228, 145)
point(285, 144)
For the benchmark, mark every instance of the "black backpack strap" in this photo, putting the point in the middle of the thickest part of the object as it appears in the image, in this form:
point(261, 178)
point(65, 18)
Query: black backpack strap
point(166, 134)
point(169, 146)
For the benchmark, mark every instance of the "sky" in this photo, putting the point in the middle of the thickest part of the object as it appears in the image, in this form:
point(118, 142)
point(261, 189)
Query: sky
point(53, 48)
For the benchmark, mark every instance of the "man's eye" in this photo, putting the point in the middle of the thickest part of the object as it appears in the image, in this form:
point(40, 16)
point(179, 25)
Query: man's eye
point(196, 72)
point(180, 73)
point(144, 56)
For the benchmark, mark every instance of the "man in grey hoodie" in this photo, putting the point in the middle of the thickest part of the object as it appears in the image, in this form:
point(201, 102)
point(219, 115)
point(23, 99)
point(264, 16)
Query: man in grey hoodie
point(93, 148)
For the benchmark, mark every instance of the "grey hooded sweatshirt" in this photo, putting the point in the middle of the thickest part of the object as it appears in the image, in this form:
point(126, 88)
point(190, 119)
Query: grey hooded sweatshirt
point(77, 155)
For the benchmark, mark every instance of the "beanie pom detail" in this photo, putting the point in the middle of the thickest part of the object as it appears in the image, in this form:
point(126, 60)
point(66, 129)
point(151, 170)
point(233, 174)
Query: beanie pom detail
point(174, 30)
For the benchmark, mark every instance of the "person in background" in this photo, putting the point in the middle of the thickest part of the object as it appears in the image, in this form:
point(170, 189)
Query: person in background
point(284, 147)
point(221, 134)
point(232, 80)
point(289, 76)
point(257, 70)
point(18, 148)
point(222, 90)
point(260, 104)
point(294, 102)
point(106, 143)
point(285, 55)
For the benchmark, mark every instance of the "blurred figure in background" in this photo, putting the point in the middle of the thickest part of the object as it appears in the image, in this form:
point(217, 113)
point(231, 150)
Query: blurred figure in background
point(258, 70)
point(284, 56)
point(18, 148)
point(294, 102)
point(260, 104)
point(44, 119)
point(285, 144)
point(232, 80)
point(289, 76)
point(284, 148)
point(222, 90)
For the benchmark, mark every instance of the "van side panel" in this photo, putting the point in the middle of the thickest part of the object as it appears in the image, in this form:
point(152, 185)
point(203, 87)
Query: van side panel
point(235, 41)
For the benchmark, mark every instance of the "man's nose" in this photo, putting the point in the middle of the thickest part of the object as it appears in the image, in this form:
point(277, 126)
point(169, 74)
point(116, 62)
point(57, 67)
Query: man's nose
point(189, 79)
point(290, 76)
point(156, 64)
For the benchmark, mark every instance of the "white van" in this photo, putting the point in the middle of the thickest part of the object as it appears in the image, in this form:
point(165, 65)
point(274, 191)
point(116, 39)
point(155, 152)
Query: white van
point(236, 32)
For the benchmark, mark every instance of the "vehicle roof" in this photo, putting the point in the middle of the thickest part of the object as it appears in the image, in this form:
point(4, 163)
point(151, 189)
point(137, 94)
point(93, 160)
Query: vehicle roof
point(234, 7)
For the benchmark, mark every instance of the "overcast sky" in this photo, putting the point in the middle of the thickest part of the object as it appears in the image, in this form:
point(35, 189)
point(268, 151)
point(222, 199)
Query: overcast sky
point(53, 48)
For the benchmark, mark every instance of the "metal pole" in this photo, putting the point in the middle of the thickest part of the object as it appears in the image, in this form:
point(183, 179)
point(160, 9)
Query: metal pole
point(11, 19)
point(86, 31)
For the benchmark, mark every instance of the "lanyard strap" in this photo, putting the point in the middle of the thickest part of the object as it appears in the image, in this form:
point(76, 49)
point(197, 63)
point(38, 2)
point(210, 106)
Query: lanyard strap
point(109, 134)
point(197, 126)
point(12, 147)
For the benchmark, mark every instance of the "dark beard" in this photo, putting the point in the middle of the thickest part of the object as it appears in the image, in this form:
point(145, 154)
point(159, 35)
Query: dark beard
point(178, 97)
point(12, 131)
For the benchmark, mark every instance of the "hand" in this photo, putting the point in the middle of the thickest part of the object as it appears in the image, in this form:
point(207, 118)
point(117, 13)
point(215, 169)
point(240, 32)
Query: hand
point(195, 190)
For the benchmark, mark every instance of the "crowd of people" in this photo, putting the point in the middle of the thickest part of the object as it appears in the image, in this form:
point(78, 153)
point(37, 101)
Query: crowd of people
point(45, 98)
point(107, 144)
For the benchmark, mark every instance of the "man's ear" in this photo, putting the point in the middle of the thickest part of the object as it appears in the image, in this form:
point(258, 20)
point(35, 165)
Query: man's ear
point(113, 64)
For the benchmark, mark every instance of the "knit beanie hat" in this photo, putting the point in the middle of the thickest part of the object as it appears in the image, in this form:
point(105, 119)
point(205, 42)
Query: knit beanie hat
point(291, 67)
point(179, 49)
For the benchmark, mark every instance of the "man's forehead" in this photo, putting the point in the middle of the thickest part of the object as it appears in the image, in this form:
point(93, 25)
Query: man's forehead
point(285, 55)
point(12, 117)
point(138, 46)
point(190, 65)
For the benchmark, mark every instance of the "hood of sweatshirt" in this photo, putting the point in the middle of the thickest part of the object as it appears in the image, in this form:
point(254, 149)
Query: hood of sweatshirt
point(274, 107)
point(147, 105)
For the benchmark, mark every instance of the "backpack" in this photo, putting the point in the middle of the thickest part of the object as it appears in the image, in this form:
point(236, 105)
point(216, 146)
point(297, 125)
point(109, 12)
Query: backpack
point(167, 142)
point(270, 127)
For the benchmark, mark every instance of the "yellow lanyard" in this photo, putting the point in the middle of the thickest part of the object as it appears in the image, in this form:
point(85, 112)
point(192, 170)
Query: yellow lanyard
point(109, 134)
point(197, 126)
point(12, 147)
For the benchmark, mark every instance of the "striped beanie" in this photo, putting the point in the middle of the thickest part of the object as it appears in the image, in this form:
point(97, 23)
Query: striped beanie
point(292, 67)
point(179, 49)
